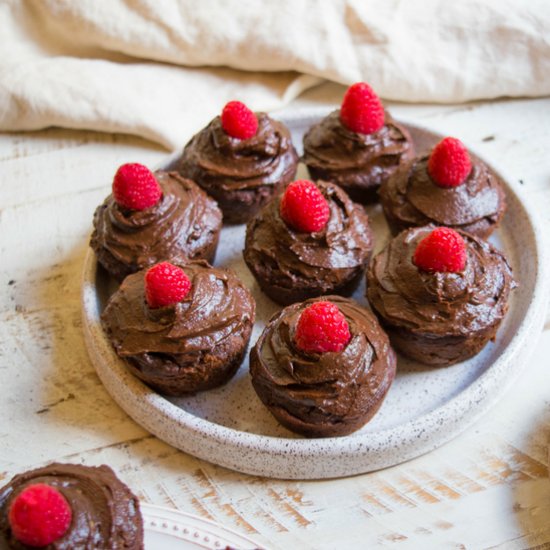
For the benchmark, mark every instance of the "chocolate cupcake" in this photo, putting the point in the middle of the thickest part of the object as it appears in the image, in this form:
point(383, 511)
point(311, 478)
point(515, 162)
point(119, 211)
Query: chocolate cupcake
point(181, 329)
point(323, 367)
point(311, 241)
point(69, 506)
point(440, 294)
point(446, 187)
point(358, 146)
point(242, 159)
point(153, 217)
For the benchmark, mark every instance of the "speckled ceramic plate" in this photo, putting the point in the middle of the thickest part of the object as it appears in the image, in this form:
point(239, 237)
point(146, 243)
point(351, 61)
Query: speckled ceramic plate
point(167, 529)
point(424, 408)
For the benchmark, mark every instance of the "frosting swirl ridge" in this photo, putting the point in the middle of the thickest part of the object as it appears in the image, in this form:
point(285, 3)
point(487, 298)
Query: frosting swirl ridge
point(215, 159)
point(184, 224)
point(358, 162)
point(411, 198)
point(190, 344)
point(323, 394)
point(327, 258)
point(105, 513)
point(439, 304)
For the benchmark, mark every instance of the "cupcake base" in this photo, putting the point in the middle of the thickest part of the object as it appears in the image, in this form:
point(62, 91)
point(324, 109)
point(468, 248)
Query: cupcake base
point(166, 375)
point(316, 426)
point(361, 188)
point(439, 351)
point(240, 205)
point(286, 296)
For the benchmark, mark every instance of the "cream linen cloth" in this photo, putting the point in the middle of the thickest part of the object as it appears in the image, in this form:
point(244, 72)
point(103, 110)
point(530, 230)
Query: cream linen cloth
point(162, 69)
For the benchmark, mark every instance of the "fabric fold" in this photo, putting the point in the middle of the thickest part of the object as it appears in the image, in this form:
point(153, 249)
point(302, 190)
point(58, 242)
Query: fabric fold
point(163, 69)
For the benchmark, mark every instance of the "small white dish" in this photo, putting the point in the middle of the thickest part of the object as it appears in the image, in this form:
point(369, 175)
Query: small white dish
point(424, 408)
point(167, 529)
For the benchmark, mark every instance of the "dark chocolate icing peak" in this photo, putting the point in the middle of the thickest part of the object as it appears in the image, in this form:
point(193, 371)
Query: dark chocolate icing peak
point(348, 148)
point(331, 390)
point(214, 158)
point(439, 303)
point(358, 162)
point(217, 306)
point(345, 242)
point(411, 198)
point(184, 223)
point(105, 514)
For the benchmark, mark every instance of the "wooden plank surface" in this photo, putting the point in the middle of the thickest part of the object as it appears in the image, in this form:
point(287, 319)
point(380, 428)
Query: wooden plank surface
point(488, 488)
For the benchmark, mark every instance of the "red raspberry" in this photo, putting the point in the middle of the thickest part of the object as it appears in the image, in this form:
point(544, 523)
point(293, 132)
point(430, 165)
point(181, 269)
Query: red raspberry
point(165, 284)
point(442, 250)
point(39, 515)
point(449, 163)
point(361, 110)
point(238, 120)
point(322, 327)
point(135, 187)
point(303, 207)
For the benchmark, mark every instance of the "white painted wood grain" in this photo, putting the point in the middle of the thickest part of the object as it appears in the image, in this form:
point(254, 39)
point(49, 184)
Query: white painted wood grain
point(488, 488)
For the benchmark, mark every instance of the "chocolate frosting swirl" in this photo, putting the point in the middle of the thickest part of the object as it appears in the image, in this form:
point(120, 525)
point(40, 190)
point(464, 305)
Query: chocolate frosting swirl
point(241, 175)
point(411, 198)
point(321, 261)
point(323, 394)
point(439, 304)
point(105, 513)
point(188, 343)
point(357, 162)
point(215, 159)
point(183, 225)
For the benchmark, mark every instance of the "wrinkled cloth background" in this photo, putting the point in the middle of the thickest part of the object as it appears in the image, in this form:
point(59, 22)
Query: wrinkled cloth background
point(161, 69)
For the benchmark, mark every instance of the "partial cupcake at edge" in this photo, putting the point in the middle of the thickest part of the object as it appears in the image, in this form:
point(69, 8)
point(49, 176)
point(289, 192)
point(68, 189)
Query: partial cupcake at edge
point(309, 241)
point(69, 506)
point(323, 367)
point(150, 217)
point(440, 294)
point(241, 159)
point(181, 328)
point(358, 146)
point(447, 187)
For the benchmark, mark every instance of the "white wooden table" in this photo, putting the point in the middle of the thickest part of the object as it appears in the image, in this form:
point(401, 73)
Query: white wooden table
point(489, 488)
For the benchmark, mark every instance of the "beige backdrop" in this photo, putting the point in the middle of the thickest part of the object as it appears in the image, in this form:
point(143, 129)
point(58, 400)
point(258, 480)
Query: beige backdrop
point(163, 68)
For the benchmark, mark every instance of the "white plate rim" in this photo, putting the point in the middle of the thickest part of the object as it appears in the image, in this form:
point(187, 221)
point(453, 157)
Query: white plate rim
point(291, 458)
point(200, 532)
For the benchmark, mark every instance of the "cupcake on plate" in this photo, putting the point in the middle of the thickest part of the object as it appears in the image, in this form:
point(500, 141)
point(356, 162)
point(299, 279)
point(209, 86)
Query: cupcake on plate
point(358, 146)
point(242, 159)
point(447, 187)
point(150, 217)
point(312, 240)
point(440, 294)
point(323, 367)
point(64, 506)
point(181, 328)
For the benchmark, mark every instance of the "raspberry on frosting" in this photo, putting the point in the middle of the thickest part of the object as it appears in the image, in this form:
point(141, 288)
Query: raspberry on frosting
point(135, 187)
point(361, 110)
point(443, 250)
point(321, 328)
point(449, 163)
point(238, 120)
point(165, 284)
point(39, 515)
point(303, 207)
